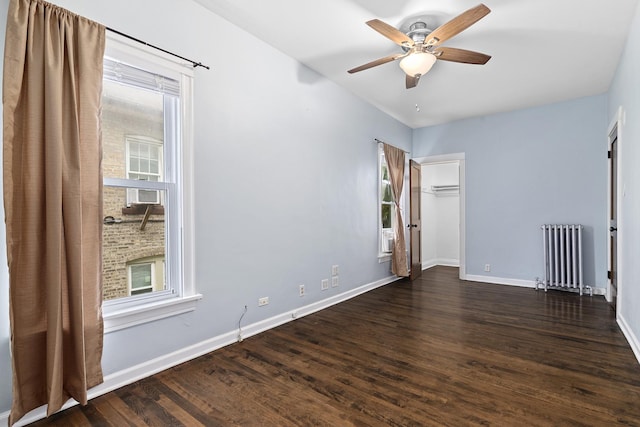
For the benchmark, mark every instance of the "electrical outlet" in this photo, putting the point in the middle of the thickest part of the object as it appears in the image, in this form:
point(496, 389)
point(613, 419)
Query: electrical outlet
point(324, 285)
point(334, 281)
point(487, 267)
point(301, 290)
point(263, 301)
point(334, 270)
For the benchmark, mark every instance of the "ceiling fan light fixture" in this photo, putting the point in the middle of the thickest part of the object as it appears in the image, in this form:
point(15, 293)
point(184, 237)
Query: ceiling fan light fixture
point(417, 63)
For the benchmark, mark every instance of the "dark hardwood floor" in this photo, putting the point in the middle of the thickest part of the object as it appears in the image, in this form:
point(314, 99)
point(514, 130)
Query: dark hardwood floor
point(437, 351)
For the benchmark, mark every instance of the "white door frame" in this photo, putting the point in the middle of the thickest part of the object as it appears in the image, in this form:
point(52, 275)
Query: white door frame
point(616, 127)
point(459, 157)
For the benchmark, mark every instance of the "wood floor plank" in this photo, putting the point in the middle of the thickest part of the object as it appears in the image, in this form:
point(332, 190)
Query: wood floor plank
point(115, 411)
point(436, 351)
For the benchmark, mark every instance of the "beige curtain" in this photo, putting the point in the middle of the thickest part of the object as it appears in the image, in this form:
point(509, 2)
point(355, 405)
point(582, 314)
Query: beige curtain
point(53, 203)
point(395, 164)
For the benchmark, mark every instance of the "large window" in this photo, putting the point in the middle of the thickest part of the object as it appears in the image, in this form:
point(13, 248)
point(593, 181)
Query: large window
point(146, 142)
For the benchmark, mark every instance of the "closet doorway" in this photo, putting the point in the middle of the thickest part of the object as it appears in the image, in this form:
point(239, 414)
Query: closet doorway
point(442, 211)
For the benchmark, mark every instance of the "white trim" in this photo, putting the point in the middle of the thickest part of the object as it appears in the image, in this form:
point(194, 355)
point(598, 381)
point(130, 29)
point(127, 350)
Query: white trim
point(137, 55)
point(517, 282)
point(186, 160)
point(429, 264)
point(463, 220)
point(500, 281)
point(384, 258)
point(144, 313)
point(633, 340)
point(441, 158)
point(616, 124)
point(129, 183)
point(460, 158)
point(159, 364)
point(440, 261)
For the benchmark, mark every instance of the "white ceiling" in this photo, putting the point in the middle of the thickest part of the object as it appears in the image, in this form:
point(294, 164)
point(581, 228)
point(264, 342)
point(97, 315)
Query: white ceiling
point(543, 51)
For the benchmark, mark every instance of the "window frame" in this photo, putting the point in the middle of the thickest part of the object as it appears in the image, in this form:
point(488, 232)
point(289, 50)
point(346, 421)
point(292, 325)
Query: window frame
point(178, 190)
point(382, 255)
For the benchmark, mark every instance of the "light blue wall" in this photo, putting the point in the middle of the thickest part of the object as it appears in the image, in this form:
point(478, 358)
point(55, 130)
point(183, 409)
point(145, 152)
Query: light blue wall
point(625, 93)
point(285, 172)
point(523, 169)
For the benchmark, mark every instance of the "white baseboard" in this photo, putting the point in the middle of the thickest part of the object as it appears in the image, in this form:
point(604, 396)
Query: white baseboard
point(516, 282)
point(159, 364)
point(633, 340)
point(440, 261)
point(500, 281)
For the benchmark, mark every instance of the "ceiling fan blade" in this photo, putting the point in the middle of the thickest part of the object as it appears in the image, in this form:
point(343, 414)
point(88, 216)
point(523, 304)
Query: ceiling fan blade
point(457, 24)
point(461, 55)
point(376, 62)
point(390, 32)
point(412, 81)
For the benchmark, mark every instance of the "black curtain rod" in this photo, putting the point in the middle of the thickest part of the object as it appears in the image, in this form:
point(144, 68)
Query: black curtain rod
point(376, 140)
point(195, 63)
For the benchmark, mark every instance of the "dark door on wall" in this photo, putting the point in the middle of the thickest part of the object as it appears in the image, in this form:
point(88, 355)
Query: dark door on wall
point(613, 223)
point(415, 235)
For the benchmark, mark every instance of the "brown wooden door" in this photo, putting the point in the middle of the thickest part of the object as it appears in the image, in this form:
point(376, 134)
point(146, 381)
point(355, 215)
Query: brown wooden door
point(414, 221)
point(613, 223)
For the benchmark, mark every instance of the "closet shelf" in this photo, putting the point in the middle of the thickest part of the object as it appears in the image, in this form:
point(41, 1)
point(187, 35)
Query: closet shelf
point(443, 189)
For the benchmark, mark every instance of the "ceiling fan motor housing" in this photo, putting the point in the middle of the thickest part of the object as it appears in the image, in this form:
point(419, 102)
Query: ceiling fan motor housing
point(418, 32)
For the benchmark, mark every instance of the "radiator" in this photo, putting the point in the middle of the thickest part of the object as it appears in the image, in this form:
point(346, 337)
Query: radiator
point(562, 249)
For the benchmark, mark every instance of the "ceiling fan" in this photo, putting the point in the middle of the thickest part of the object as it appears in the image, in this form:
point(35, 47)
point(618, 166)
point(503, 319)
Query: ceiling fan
point(422, 46)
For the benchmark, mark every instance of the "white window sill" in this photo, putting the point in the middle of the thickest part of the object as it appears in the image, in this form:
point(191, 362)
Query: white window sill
point(125, 318)
point(384, 258)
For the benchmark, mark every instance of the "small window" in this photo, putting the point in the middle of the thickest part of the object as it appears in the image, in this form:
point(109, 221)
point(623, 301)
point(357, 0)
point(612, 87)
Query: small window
point(146, 275)
point(141, 278)
point(387, 216)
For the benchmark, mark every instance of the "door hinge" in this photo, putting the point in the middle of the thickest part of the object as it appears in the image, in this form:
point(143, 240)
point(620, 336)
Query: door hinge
point(609, 274)
point(609, 154)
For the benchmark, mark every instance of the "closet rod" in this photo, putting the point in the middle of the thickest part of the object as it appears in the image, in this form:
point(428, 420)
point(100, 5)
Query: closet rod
point(195, 63)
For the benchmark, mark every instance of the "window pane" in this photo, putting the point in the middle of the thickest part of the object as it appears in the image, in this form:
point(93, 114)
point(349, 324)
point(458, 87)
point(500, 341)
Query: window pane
point(386, 215)
point(134, 165)
point(128, 112)
point(148, 196)
point(385, 172)
point(144, 151)
point(386, 193)
point(140, 276)
point(144, 166)
point(126, 242)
